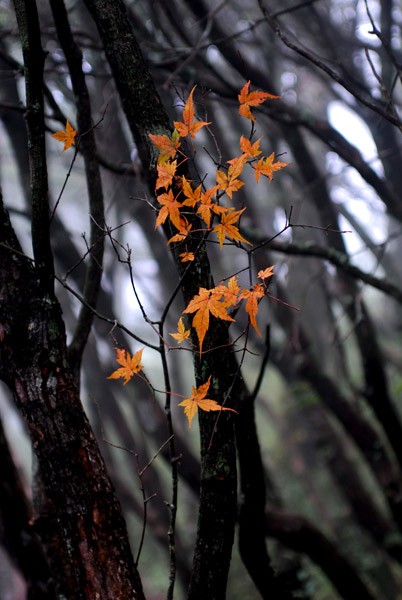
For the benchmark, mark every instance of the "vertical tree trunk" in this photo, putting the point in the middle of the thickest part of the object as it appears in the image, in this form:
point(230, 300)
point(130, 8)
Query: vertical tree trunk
point(34, 364)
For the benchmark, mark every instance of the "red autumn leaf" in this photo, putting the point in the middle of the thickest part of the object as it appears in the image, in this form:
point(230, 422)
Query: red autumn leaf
point(248, 99)
point(167, 146)
point(227, 227)
point(66, 136)
point(197, 400)
point(252, 303)
point(130, 365)
point(266, 166)
point(189, 126)
point(204, 303)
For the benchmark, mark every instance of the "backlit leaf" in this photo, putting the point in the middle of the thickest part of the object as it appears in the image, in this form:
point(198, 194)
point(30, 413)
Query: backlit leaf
point(248, 99)
point(266, 166)
point(182, 333)
point(189, 126)
point(130, 365)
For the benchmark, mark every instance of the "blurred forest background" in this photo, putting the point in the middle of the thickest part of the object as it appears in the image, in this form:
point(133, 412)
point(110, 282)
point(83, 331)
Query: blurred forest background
point(329, 400)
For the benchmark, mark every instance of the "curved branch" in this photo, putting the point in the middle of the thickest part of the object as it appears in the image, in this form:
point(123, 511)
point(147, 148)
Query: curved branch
point(94, 184)
point(340, 260)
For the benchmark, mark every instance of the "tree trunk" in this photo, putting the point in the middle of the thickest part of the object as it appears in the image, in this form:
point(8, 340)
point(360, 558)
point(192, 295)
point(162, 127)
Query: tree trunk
point(34, 364)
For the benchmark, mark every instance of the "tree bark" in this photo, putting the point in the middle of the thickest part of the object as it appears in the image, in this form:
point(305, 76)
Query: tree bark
point(34, 364)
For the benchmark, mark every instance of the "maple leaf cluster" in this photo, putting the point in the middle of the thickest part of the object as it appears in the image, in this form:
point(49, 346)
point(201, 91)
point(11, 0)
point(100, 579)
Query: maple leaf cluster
point(206, 201)
point(217, 301)
point(178, 193)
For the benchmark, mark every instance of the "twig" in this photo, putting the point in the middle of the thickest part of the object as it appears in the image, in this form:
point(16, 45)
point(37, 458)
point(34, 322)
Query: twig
point(104, 318)
point(318, 63)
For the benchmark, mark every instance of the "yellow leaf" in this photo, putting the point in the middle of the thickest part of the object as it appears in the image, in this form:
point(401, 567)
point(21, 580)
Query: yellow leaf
point(182, 333)
point(197, 400)
point(230, 292)
point(130, 365)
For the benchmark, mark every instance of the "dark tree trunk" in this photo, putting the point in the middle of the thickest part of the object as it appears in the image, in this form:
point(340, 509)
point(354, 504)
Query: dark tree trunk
point(34, 364)
point(20, 538)
point(146, 114)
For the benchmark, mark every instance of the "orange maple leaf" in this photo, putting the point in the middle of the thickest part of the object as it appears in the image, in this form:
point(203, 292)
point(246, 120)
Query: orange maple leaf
point(170, 208)
point(230, 291)
point(187, 256)
point(207, 204)
point(66, 136)
point(167, 146)
point(249, 149)
point(252, 303)
point(189, 127)
point(182, 333)
point(268, 272)
point(130, 365)
point(184, 230)
point(248, 99)
point(197, 400)
point(166, 172)
point(192, 196)
point(266, 166)
point(227, 227)
point(204, 303)
point(230, 182)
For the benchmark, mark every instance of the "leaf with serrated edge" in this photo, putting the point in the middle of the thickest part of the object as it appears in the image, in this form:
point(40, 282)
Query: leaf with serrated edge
point(197, 400)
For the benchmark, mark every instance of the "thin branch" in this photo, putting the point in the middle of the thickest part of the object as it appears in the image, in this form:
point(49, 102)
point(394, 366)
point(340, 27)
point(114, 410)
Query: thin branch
point(264, 362)
point(340, 260)
point(104, 318)
point(318, 63)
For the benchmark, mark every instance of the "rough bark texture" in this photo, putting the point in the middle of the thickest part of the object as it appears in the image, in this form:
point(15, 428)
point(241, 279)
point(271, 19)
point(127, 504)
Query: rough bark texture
point(20, 538)
point(34, 364)
point(146, 114)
